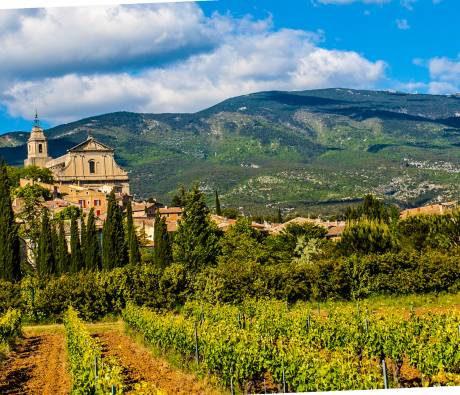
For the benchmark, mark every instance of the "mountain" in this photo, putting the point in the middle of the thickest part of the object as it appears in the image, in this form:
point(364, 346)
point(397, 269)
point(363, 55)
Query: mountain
point(309, 151)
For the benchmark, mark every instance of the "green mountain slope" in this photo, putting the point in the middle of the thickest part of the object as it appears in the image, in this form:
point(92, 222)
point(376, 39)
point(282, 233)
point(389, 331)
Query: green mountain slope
point(307, 151)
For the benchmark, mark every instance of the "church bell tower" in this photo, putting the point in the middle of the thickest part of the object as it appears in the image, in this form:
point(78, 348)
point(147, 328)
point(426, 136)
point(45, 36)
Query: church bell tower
point(37, 146)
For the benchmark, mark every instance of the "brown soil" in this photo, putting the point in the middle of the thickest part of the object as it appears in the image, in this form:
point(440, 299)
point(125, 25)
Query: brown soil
point(37, 365)
point(141, 366)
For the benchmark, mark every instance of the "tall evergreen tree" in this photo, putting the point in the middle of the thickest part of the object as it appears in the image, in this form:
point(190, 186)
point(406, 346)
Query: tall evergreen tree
point(83, 241)
point(62, 254)
point(132, 239)
point(279, 217)
point(162, 243)
point(55, 244)
point(46, 264)
point(113, 238)
point(76, 263)
point(218, 209)
point(92, 251)
point(195, 243)
point(10, 260)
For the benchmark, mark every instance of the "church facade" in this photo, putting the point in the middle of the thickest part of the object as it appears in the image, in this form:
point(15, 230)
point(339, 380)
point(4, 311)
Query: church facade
point(90, 164)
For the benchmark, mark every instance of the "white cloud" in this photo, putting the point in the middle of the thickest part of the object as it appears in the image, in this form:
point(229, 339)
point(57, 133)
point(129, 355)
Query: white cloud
point(244, 56)
point(402, 24)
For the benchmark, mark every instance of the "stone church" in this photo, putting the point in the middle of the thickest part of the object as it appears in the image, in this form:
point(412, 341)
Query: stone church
point(90, 164)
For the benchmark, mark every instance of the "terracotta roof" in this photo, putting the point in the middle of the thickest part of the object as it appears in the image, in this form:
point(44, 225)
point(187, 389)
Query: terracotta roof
point(170, 210)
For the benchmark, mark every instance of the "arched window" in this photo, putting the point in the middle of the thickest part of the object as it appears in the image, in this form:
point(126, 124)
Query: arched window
point(92, 167)
point(40, 148)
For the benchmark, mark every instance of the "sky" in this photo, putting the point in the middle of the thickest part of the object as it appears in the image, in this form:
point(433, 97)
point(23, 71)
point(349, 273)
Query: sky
point(71, 63)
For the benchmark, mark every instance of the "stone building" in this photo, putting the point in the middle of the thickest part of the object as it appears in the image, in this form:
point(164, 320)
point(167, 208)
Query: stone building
point(90, 164)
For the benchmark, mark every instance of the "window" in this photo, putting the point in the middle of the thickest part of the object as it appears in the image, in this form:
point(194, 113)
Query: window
point(92, 167)
point(82, 203)
point(97, 202)
point(40, 148)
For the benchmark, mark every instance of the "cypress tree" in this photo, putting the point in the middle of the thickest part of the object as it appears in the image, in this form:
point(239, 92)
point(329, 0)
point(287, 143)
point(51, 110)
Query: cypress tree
point(218, 209)
point(83, 241)
point(92, 251)
point(55, 244)
point(113, 237)
point(75, 247)
point(46, 264)
point(279, 217)
point(162, 243)
point(195, 243)
point(10, 268)
point(63, 258)
point(132, 240)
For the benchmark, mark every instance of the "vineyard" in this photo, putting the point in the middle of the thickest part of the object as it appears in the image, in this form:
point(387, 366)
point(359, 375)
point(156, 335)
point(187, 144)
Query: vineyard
point(264, 346)
point(267, 346)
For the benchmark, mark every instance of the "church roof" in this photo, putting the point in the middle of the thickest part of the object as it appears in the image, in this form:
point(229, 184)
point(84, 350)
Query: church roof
point(91, 144)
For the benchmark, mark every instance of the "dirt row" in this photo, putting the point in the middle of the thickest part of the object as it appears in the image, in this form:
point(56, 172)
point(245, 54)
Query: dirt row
point(38, 365)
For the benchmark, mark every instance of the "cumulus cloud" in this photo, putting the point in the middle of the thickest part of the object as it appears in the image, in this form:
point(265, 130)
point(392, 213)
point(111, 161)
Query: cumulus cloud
point(214, 58)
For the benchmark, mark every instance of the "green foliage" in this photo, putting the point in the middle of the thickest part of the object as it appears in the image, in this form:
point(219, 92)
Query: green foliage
point(92, 251)
point(339, 350)
point(84, 353)
point(9, 241)
point(217, 205)
point(132, 240)
point(76, 258)
point(114, 252)
point(62, 252)
point(289, 236)
point(162, 243)
point(230, 212)
point(195, 243)
point(430, 231)
point(367, 236)
point(46, 264)
point(36, 173)
point(33, 192)
point(10, 325)
point(180, 198)
point(373, 209)
point(68, 213)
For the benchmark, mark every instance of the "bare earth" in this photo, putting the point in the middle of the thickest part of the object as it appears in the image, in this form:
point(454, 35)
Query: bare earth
point(38, 365)
point(141, 366)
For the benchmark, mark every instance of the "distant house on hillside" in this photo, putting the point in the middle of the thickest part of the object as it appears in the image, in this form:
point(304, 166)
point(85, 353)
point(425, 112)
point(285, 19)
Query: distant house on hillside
point(436, 209)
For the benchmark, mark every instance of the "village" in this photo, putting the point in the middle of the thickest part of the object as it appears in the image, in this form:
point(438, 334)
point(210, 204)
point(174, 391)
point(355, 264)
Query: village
point(84, 177)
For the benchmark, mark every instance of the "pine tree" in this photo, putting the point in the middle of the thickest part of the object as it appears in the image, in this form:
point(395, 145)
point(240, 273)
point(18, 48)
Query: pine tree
point(63, 258)
point(195, 243)
point(218, 209)
point(76, 261)
point(10, 260)
point(92, 251)
point(132, 240)
point(113, 239)
point(162, 243)
point(46, 264)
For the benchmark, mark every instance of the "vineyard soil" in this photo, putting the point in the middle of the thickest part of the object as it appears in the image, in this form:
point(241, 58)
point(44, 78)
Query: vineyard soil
point(37, 365)
point(140, 366)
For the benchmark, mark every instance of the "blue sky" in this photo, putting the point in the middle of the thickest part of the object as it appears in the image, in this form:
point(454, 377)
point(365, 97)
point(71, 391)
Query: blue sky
point(73, 63)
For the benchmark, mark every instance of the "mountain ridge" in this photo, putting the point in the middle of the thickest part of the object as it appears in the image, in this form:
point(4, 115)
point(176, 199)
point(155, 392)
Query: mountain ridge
point(303, 151)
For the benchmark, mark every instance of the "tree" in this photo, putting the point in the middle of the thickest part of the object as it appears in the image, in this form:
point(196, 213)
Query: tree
point(373, 209)
point(83, 241)
point(69, 212)
point(195, 243)
point(162, 243)
point(113, 237)
point(132, 240)
point(9, 241)
point(92, 251)
point(279, 217)
point(46, 264)
point(76, 261)
point(62, 253)
point(218, 210)
point(367, 236)
point(179, 199)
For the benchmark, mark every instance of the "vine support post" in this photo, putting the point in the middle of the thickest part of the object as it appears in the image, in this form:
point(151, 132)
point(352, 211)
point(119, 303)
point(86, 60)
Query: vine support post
point(197, 355)
point(265, 386)
point(96, 371)
point(284, 381)
point(385, 376)
point(114, 390)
